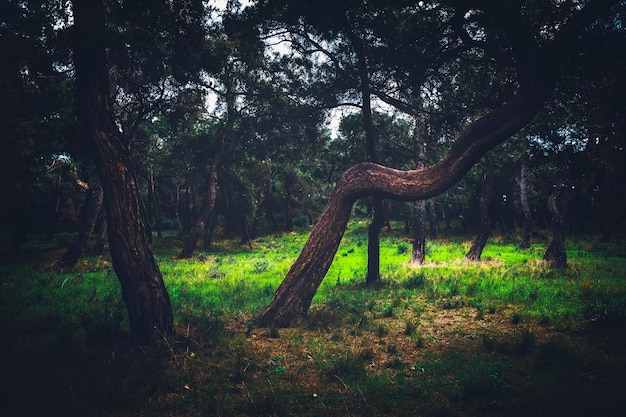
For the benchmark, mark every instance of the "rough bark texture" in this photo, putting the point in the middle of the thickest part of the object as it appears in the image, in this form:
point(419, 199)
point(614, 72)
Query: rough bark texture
point(555, 254)
point(527, 220)
point(476, 250)
point(143, 290)
point(93, 203)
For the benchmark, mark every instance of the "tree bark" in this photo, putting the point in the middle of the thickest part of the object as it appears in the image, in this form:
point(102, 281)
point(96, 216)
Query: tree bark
point(373, 243)
point(250, 222)
point(527, 220)
point(476, 250)
point(293, 297)
point(555, 254)
point(200, 225)
point(93, 203)
point(418, 251)
point(143, 290)
point(375, 227)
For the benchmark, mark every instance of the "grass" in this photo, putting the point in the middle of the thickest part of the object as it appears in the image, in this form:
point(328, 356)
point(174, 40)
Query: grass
point(504, 337)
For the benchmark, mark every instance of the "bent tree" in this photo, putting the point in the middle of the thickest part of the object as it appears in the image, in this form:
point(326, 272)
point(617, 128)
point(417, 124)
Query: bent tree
point(535, 67)
point(143, 290)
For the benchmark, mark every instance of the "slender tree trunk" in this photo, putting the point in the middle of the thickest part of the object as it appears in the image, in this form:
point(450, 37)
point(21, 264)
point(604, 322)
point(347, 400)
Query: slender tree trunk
point(432, 219)
point(527, 220)
point(143, 290)
point(288, 206)
point(555, 254)
point(177, 208)
point(418, 251)
point(251, 222)
point(209, 206)
point(154, 203)
point(93, 203)
point(476, 250)
point(373, 243)
point(375, 227)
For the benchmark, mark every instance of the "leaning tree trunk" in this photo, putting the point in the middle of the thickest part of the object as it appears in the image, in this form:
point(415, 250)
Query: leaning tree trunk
point(93, 203)
point(476, 250)
point(555, 254)
point(293, 298)
point(526, 222)
point(143, 290)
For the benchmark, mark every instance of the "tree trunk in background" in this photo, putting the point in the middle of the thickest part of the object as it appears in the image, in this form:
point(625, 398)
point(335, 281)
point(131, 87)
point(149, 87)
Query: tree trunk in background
point(209, 206)
point(432, 219)
point(555, 254)
point(143, 290)
point(288, 205)
point(418, 250)
point(476, 250)
point(375, 227)
point(373, 242)
point(527, 220)
point(250, 222)
point(154, 203)
point(93, 203)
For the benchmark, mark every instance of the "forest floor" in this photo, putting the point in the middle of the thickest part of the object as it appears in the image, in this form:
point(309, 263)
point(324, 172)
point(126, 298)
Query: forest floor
point(505, 337)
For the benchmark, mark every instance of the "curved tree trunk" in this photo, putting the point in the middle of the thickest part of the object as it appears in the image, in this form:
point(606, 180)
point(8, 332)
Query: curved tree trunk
point(476, 250)
point(93, 203)
point(143, 290)
point(293, 297)
point(555, 254)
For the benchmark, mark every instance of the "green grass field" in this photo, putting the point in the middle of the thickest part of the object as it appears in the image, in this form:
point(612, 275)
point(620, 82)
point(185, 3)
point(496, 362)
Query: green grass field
point(504, 337)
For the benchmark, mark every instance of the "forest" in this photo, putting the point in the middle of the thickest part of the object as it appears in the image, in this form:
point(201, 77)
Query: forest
point(274, 208)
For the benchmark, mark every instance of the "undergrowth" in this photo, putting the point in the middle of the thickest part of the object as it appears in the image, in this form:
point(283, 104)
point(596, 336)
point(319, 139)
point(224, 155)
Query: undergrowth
point(505, 336)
